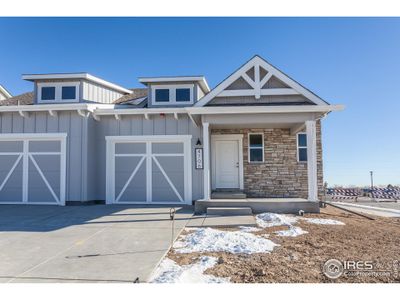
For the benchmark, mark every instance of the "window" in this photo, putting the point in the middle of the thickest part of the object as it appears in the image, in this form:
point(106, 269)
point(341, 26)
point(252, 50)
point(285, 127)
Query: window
point(162, 95)
point(182, 95)
point(302, 147)
point(256, 147)
point(172, 94)
point(57, 92)
point(68, 93)
point(48, 93)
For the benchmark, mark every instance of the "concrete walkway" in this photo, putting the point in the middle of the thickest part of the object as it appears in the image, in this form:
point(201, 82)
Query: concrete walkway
point(102, 243)
point(377, 209)
point(221, 221)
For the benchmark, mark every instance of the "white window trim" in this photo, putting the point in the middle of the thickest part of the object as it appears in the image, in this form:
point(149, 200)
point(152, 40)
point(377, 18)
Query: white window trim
point(172, 94)
point(249, 147)
point(300, 147)
point(58, 86)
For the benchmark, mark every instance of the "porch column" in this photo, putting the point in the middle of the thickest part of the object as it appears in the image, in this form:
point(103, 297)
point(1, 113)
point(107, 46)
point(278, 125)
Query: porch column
point(206, 170)
point(312, 160)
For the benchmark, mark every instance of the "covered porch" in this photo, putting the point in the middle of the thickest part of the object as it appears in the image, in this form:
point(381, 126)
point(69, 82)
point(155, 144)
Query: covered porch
point(278, 182)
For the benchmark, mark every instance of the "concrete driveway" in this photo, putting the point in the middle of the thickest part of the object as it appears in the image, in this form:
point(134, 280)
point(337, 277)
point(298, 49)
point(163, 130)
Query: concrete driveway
point(84, 243)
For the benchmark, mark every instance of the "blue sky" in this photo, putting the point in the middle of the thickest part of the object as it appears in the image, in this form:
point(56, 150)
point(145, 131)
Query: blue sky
point(351, 61)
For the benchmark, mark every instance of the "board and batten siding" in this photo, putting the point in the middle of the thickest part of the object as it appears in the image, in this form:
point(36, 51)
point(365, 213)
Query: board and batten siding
point(137, 125)
point(97, 93)
point(86, 144)
point(76, 154)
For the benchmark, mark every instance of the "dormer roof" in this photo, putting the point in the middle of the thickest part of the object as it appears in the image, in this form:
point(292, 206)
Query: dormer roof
point(72, 76)
point(201, 80)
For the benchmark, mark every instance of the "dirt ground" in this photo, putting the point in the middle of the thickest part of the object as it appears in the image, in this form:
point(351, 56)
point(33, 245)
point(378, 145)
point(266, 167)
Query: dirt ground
point(300, 259)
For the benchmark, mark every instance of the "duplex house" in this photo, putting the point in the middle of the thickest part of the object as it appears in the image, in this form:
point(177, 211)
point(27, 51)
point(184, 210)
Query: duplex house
point(77, 138)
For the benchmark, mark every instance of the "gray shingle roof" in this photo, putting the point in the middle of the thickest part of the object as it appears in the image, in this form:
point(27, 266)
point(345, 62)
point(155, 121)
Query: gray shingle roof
point(23, 99)
point(27, 98)
point(137, 94)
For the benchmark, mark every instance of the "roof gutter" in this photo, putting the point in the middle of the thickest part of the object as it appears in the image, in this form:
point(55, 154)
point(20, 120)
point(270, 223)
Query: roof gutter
point(54, 107)
point(204, 110)
point(111, 109)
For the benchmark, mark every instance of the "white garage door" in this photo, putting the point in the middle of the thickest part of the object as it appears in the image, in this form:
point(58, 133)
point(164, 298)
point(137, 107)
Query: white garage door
point(149, 169)
point(32, 169)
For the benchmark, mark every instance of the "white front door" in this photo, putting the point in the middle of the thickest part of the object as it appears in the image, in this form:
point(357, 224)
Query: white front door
point(227, 162)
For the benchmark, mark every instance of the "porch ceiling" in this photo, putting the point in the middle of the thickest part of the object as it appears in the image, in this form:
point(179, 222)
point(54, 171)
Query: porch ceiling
point(254, 125)
point(294, 121)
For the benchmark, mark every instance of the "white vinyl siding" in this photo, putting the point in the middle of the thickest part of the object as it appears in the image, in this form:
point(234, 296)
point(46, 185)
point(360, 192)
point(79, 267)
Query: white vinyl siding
point(98, 93)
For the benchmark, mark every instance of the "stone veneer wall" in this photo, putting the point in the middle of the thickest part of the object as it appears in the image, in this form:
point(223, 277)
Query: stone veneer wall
point(280, 175)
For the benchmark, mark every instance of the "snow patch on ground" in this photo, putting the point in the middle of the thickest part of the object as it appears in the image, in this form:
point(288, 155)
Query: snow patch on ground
point(249, 229)
point(292, 231)
point(271, 219)
point(265, 220)
point(213, 240)
point(323, 221)
point(170, 272)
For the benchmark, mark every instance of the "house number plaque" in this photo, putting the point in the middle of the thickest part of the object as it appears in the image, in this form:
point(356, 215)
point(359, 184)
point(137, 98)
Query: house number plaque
point(199, 158)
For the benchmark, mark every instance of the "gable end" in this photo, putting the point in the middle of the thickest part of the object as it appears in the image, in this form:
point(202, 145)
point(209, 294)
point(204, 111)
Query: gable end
point(259, 83)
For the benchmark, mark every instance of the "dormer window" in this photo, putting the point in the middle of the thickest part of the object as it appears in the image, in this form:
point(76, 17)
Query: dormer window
point(48, 93)
point(183, 95)
point(68, 92)
point(172, 94)
point(162, 95)
point(57, 92)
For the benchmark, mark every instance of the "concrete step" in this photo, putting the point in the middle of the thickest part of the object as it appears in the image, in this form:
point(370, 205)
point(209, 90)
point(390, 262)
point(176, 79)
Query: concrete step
point(229, 211)
point(228, 195)
point(260, 205)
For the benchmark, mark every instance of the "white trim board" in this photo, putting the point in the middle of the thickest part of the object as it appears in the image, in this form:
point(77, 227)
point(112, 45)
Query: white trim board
point(227, 137)
point(5, 92)
point(56, 107)
point(58, 91)
point(259, 109)
point(100, 109)
point(257, 83)
point(86, 76)
point(172, 94)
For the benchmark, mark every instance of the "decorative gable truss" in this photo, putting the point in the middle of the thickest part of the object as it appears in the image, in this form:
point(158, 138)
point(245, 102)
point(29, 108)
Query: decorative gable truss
point(258, 78)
